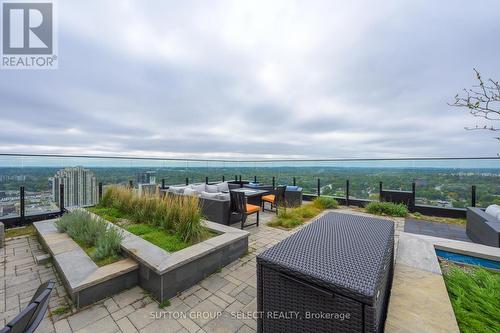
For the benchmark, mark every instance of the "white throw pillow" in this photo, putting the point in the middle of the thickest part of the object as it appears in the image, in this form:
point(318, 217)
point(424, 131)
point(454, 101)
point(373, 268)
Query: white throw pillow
point(211, 188)
point(176, 189)
point(494, 211)
point(223, 187)
point(190, 191)
point(198, 188)
point(224, 196)
point(208, 195)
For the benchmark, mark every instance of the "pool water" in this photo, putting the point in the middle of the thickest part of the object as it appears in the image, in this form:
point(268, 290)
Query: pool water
point(468, 260)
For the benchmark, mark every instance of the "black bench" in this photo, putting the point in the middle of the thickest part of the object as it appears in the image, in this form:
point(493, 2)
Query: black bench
point(32, 315)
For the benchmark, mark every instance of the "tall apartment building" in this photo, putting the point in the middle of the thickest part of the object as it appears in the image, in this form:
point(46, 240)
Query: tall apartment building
point(146, 177)
point(80, 187)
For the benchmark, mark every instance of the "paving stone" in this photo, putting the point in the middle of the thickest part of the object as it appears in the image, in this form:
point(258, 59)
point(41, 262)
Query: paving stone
point(142, 317)
point(111, 305)
point(126, 326)
point(244, 298)
point(202, 293)
point(252, 306)
point(225, 323)
point(62, 326)
point(104, 325)
point(250, 291)
point(122, 312)
point(225, 297)
point(234, 307)
point(218, 301)
point(192, 300)
point(162, 325)
point(228, 288)
point(238, 289)
point(214, 283)
point(128, 297)
point(142, 302)
point(205, 312)
point(86, 317)
point(189, 325)
point(246, 329)
point(45, 326)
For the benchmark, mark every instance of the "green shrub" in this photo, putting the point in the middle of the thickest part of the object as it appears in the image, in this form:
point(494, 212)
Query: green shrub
point(91, 232)
point(475, 297)
point(108, 244)
point(189, 226)
point(293, 217)
point(325, 202)
point(80, 226)
point(387, 208)
point(180, 215)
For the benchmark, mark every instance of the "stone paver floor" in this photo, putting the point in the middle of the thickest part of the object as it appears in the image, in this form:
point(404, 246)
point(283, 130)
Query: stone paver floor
point(223, 302)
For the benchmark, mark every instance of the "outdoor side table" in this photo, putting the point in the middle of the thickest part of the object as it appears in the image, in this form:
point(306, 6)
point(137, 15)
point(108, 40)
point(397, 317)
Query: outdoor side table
point(334, 275)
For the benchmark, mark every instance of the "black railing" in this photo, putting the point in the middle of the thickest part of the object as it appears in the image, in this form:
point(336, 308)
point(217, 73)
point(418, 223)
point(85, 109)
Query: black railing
point(406, 197)
point(476, 190)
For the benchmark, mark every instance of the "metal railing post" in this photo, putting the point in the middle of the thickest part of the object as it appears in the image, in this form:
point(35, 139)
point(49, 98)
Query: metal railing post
point(206, 180)
point(319, 187)
point(473, 196)
point(131, 183)
point(163, 183)
point(255, 179)
point(187, 181)
point(223, 178)
point(61, 198)
point(294, 181)
point(274, 182)
point(22, 208)
point(347, 192)
point(99, 186)
point(380, 189)
point(413, 196)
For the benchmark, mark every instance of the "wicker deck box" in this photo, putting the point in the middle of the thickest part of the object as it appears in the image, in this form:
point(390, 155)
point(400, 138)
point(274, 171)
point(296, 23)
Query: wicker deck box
point(334, 275)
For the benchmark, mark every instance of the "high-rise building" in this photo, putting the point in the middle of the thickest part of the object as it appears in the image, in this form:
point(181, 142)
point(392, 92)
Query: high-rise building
point(80, 187)
point(146, 177)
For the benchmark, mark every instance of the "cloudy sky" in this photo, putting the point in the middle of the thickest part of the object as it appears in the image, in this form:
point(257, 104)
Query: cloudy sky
point(256, 79)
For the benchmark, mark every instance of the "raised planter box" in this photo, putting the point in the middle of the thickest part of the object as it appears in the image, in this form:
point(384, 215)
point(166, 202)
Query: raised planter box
point(85, 282)
point(162, 273)
point(165, 274)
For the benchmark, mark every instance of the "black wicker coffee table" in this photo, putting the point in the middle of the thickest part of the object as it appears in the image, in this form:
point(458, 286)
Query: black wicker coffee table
point(334, 275)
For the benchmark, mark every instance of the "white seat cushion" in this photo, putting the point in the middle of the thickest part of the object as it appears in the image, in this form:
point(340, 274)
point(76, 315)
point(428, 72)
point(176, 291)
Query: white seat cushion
point(199, 188)
point(494, 211)
point(224, 196)
point(222, 187)
point(212, 189)
point(208, 195)
point(177, 189)
point(190, 191)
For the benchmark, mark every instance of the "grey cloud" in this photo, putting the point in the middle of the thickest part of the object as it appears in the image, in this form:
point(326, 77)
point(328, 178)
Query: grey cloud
point(388, 76)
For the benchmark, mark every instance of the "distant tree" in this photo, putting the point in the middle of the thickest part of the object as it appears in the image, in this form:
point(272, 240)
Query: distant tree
point(483, 101)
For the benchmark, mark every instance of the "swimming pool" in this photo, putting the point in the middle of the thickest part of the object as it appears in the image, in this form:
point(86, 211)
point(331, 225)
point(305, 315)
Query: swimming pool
point(468, 260)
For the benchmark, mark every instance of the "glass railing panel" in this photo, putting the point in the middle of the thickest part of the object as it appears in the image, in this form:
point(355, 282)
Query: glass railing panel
point(439, 182)
point(12, 177)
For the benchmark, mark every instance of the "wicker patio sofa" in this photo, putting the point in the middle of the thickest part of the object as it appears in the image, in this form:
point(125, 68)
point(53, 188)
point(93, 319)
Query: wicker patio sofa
point(483, 227)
